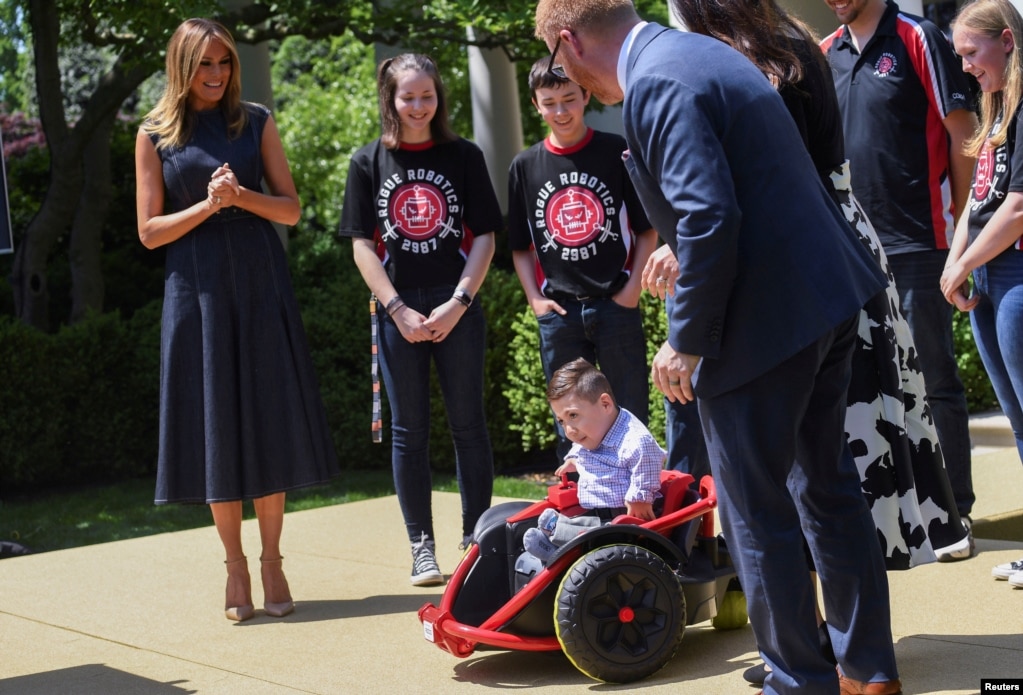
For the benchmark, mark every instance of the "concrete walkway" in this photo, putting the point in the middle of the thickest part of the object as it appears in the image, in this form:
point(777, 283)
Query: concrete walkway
point(145, 616)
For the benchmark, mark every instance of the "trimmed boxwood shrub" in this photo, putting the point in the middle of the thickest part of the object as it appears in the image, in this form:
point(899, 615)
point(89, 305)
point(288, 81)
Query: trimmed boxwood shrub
point(980, 395)
point(80, 405)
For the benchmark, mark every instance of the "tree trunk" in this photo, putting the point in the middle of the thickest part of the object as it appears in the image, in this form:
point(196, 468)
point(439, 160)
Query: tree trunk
point(67, 162)
point(87, 230)
point(28, 277)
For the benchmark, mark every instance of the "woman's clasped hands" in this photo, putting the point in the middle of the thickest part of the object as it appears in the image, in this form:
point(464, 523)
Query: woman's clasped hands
point(416, 328)
point(955, 285)
point(223, 189)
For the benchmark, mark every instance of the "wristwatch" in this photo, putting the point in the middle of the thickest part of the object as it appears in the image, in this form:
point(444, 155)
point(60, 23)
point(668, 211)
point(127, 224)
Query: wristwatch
point(462, 297)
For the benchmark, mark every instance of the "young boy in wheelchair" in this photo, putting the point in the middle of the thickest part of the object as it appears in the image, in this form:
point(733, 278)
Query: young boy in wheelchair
point(617, 460)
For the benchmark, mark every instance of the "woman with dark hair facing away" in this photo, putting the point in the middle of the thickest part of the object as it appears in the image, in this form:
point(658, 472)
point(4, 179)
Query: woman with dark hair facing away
point(421, 212)
point(240, 411)
point(987, 244)
point(888, 424)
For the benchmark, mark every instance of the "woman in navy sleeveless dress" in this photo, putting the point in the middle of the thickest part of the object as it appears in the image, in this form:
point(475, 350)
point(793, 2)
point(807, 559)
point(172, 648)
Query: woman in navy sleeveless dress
point(240, 412)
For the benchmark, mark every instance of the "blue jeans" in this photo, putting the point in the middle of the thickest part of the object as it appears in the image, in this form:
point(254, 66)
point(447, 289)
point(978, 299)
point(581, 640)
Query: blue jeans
point(998, 329)
point(929, 315)
point(687, 450)
point(405, 368)
point(607, 335)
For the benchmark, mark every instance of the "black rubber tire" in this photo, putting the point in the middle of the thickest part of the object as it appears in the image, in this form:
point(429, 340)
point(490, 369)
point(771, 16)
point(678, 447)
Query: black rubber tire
point(598, 591)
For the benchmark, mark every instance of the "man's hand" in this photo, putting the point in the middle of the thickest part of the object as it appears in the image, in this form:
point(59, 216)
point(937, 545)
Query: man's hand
point(660, 273)
point(672, 373)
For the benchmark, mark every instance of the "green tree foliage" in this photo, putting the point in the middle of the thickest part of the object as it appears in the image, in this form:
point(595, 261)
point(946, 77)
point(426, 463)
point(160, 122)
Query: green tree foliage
point(14, 58)
point(327, 109)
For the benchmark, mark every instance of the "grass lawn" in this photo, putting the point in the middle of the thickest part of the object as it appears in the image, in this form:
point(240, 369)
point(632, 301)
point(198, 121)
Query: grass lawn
point(71, 518)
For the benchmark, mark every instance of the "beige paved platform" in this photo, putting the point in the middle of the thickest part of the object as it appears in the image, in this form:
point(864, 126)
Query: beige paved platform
point(143, 616)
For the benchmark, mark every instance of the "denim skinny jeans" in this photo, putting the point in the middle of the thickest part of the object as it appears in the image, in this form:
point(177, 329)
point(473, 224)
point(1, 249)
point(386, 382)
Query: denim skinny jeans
point(405, 368)
point(998, 329)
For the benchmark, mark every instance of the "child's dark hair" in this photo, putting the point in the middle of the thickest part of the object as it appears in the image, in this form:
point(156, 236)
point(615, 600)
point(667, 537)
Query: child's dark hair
point(539, 78)
point(581, 378)
point(387, 86)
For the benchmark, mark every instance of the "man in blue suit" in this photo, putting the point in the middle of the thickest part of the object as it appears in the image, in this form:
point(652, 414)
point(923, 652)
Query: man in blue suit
point(761, 332)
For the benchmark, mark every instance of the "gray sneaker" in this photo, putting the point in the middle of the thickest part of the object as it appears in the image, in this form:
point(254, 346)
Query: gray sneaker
point(425, 571)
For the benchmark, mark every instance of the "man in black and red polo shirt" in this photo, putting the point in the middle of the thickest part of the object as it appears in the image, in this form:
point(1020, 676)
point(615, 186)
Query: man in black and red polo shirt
point(906, 111)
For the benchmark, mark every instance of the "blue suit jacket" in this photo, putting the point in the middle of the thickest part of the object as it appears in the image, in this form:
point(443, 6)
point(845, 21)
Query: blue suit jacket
point(768, 263)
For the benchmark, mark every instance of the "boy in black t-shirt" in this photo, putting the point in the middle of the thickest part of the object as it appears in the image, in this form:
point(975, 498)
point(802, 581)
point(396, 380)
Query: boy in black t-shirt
point(579, 240)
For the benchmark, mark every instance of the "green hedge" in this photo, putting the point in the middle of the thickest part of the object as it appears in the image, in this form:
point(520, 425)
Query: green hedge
point(79, 405)
point(980, 396)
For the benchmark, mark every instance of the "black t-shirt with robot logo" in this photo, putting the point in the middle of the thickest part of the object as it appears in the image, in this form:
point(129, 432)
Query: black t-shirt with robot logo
point(577, 210)
point(423, 204)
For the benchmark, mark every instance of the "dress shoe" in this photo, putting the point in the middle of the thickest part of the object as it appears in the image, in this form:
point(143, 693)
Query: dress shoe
point(850, 686)
point(238, 573)
point(756, 674)
point(277, 609)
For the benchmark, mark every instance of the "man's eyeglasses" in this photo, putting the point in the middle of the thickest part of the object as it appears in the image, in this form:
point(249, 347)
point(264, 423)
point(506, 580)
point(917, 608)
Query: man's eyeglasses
point(553, 68)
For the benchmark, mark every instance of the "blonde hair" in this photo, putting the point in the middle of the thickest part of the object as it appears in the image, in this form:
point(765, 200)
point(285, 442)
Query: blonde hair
point(387, 87)
point(171, 120)
point(596, 16)
point(991, 18)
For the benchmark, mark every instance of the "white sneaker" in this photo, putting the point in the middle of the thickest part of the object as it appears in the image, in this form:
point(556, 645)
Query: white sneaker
point(1006, 570)
point(1016, 579)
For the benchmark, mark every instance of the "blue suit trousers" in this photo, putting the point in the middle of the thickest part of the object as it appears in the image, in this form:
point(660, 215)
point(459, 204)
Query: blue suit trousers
point(784, 471)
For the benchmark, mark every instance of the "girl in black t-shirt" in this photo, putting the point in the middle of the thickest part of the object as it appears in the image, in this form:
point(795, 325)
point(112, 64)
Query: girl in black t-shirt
point(987, 244)
point(421, 213)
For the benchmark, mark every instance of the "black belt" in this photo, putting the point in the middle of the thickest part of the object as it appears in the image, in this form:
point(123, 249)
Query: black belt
point(566, 297)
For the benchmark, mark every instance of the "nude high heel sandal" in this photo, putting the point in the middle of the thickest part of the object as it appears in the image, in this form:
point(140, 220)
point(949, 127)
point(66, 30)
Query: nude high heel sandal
point(238, 613)
point(276, 609)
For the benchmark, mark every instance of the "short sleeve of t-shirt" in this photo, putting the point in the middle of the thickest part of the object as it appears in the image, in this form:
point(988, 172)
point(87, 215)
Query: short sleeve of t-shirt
point(998, 171)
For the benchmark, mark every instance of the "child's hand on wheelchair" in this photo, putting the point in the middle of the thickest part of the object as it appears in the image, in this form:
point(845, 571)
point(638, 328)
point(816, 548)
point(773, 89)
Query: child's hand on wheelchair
point(567, 467)
point(640, 510)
